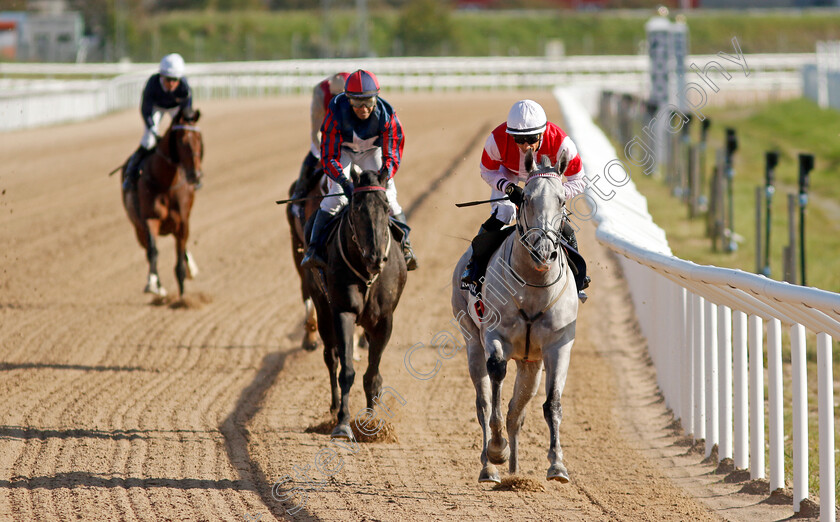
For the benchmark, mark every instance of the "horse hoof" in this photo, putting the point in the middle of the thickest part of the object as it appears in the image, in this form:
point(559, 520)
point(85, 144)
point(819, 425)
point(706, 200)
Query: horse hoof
point(342, 431)
point(489, 474)
point(500, 454)
point(310, 346)
point(558, 472)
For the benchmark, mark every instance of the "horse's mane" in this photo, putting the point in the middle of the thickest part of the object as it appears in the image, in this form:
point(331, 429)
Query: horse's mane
point(367, 178)
point(188, 115)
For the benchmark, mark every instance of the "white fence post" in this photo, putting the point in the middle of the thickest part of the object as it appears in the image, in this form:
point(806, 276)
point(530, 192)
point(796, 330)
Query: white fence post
point(774, 376)
point(725, 386)
point(799, 381)
point(699, 371)
point(741, 453)
point(711, 362)
point(826, 414)
point(756, 399)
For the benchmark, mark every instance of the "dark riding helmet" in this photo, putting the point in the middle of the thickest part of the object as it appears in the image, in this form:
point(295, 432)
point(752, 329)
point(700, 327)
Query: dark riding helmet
point(361, 84)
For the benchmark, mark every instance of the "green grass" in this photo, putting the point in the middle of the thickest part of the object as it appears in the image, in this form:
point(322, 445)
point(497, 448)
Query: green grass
point(790, 127)
point(273, 35)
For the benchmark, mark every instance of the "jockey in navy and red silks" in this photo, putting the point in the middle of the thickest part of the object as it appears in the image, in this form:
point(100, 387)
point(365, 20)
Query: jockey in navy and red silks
point(322, 95)
point(503, 167)
point(360, 129)
point(166, 91)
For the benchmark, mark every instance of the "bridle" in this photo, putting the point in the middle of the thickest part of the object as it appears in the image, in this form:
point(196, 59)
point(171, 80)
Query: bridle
point(174, 158)
point(524, 231)
point(369, 280)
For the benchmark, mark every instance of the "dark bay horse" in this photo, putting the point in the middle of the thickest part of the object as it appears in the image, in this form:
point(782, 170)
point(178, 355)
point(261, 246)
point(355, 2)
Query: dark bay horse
point(363, 285)
point(162, 202)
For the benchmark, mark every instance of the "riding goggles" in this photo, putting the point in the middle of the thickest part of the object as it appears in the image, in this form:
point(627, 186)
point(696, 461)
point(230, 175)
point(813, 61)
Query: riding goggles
point(530, 139)
point(357, 103)
point(170, 79)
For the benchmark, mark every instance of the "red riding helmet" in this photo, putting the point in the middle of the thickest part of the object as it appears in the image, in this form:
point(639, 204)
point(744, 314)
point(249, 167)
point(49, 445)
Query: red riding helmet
point(361, 84)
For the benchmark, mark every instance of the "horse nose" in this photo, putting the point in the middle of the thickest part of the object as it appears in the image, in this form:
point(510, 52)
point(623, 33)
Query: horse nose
point(553, 256)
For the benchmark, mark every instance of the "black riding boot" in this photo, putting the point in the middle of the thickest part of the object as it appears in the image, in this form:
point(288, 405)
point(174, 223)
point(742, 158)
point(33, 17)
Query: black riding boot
point(305, 182)
point(132, 168)
point(408, 252)
point(312, 258)
point(569, 235)
point(477, 260)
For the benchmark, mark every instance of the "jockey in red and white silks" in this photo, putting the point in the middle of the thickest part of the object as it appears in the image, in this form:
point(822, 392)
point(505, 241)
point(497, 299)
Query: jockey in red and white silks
point(503, 161)
point(503, 167)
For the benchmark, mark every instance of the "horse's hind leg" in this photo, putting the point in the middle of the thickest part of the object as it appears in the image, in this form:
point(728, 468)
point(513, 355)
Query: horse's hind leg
point(528, 374)
point(556, 369)
point(153, 285)
point(310, 334)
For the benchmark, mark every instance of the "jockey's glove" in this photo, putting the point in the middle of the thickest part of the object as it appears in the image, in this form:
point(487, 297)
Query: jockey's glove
point(347, 186)
point(515, 193)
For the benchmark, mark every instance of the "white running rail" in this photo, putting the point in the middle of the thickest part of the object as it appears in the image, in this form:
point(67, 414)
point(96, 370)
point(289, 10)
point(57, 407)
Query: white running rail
point(705, 331)
point(27, 102)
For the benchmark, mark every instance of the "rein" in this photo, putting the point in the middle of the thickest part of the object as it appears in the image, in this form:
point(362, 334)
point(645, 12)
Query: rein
point(173, 159)
point(367, 280)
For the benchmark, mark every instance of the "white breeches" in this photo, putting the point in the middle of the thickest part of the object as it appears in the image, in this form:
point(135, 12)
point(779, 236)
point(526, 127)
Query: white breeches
point(506, 210)
point(149, 141)
point(367, 160)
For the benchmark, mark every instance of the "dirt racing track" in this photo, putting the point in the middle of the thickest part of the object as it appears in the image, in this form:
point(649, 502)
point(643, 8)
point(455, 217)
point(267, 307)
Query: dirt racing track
point(115, 408)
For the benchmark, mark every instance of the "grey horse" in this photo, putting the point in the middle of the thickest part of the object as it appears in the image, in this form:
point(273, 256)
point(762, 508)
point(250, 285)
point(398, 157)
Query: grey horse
point(529, 312)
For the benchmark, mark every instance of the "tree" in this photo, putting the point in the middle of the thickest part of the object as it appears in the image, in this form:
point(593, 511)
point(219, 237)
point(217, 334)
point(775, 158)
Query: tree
point(424, 27)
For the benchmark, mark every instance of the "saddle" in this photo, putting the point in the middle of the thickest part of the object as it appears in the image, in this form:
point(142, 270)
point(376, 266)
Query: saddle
point(331, 228)
point(485, 245)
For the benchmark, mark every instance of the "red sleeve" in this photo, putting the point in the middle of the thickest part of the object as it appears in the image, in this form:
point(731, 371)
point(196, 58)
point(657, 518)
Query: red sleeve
point(331, 146)
point(392, 146)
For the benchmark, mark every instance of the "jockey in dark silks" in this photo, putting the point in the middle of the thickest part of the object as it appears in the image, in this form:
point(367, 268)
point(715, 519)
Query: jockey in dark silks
point(360, 129)
point(166, 91)
point(503, 166)
point(322, 95)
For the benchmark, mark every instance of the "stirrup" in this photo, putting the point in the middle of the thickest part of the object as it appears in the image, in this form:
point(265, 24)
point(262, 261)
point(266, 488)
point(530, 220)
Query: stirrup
point(410, 258)
point(585, 283)
point(468, 277)
point(312, 259)
point(582, 296)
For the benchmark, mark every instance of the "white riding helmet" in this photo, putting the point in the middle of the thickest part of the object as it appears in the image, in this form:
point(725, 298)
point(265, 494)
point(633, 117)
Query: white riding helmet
point(526, 117)
point(172, 65)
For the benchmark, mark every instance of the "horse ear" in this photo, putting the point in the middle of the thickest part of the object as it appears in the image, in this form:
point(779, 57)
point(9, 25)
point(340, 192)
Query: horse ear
point(564, 162)
point(355, 171)
point(197, 115)
point(529, 160)
point(545, 162)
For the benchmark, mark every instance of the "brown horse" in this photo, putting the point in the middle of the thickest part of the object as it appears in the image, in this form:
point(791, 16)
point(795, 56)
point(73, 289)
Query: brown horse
point(297, 226)
point(163, 199)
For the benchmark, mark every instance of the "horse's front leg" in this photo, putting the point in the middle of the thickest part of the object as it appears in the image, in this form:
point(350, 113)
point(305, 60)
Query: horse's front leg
point(153, 285)
point(379, 337)
point(345, 323)
point(181, 258)
point(556, 369)
point(497, 448)
point(528, 374)
point(481, 382)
